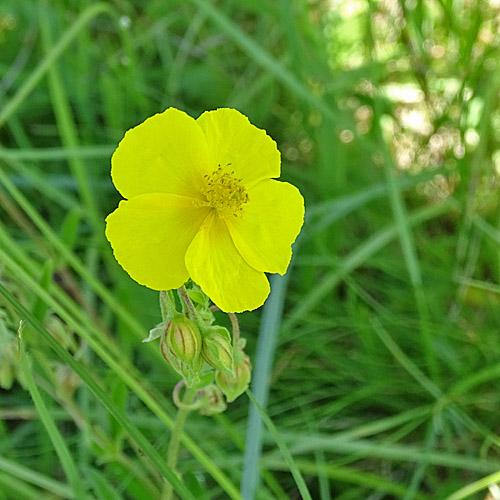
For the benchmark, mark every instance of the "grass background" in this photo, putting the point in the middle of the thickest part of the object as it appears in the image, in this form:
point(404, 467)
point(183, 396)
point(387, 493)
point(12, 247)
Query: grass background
point(384, 383)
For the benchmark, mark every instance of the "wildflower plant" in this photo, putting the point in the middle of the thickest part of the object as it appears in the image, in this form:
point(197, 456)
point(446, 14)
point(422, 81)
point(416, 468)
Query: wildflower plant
point(204, 216)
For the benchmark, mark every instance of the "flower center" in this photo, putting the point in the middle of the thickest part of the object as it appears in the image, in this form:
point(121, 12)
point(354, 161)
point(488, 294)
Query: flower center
point(224, 192)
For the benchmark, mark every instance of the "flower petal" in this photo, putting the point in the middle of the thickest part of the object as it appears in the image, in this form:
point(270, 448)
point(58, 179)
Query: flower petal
point(165, 154)
point(233, 140)
point(150, 234)
point(269, 223)
point(214, 263)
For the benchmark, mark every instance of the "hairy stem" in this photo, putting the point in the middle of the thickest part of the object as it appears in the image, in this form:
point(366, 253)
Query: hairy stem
point(175, 441)
point(236, 329)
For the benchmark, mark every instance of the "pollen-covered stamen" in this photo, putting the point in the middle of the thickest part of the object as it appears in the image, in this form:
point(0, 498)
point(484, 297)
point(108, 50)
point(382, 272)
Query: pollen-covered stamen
point(224, 192)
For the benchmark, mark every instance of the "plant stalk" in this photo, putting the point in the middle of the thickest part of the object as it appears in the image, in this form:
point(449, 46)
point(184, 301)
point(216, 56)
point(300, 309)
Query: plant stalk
point(175, 442)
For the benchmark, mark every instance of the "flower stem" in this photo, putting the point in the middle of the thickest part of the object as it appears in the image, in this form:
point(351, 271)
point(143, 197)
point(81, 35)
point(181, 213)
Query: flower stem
point(175, 441)
point(236, 329)
point(186, 301)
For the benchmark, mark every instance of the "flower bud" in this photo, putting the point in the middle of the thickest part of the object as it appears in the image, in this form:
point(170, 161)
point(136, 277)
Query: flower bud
point(172, 359)
point(217, 349)
point(181, 348)
point(235, 385)
point(190, 372)
point(183, 338)
point(214, 401)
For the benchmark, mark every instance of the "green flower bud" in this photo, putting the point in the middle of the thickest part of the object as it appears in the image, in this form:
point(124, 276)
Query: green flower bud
point(190, 372)
point(181, 348)
point(183, 338)
point(217, 349)
point(235, 385)
point(214, 401)
point(172, 359)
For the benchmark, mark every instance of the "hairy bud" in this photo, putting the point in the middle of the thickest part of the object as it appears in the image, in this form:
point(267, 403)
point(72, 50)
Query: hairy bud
point(181, 348)
point(183, 338)
point(235, 385)
point(217, 349)
point(214, 400)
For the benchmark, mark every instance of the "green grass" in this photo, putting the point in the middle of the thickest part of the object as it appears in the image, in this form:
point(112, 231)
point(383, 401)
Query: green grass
point(376, 360)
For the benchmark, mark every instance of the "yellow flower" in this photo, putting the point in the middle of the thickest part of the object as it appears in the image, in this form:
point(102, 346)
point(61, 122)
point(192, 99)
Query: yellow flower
point(201, 202)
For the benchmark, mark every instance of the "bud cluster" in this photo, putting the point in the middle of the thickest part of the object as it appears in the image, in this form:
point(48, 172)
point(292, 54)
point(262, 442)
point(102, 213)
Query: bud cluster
point(202, 353)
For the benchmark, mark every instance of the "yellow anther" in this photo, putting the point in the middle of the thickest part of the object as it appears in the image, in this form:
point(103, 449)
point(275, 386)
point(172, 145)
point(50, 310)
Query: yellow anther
point(224, 192)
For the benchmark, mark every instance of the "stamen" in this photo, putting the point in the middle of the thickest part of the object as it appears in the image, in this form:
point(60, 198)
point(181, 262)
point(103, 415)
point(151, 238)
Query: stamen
point(224, 192)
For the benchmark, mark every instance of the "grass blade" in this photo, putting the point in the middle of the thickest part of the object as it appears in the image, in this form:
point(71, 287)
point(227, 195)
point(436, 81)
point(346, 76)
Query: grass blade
point(31, 82)
point(356, 258)
point(292, 467)
point(55, 436)
point(472, 488)
point(33, 477)
point(264, 59)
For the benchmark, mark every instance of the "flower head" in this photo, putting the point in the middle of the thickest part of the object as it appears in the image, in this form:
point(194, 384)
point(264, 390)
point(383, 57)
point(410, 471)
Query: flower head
point(202, 203)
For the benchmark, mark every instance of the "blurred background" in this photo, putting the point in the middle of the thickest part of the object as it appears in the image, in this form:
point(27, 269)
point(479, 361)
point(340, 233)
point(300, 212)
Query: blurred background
point(385, 382)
